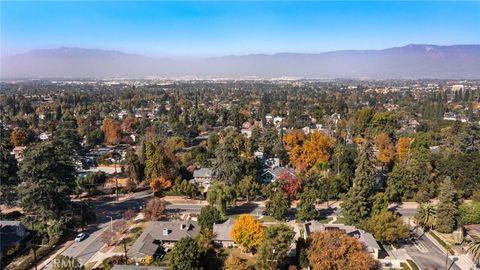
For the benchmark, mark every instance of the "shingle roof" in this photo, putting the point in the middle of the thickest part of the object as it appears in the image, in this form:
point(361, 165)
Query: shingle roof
point(364, 237)
point(169, 231)
point(222, 231)
point(202, 172)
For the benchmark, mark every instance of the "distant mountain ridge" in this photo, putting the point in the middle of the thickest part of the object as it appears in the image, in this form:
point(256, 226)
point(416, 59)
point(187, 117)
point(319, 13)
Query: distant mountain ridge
point(410, 61)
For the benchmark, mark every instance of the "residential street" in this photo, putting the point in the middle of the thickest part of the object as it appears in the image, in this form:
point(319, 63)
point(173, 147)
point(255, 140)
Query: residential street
point(428, 256)
point(87, 248)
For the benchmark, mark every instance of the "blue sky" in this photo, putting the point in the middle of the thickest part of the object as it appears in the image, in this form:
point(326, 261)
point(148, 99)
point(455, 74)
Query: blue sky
point(224, 28)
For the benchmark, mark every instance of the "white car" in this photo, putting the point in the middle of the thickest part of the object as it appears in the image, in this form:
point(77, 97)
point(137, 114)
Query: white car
point(80, 237)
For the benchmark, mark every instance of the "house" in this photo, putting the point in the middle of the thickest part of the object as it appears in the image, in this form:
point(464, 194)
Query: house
point(366, 238)
point(165, 233)
point(277, 121)
point(222, 233)
point(122, 114)
point(18, 152)
point(12, 233)
point(271, 174)
point(203, 177)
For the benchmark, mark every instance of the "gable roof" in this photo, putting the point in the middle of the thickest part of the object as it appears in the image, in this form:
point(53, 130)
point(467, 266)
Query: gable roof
point(364, 237)
point(169, 231)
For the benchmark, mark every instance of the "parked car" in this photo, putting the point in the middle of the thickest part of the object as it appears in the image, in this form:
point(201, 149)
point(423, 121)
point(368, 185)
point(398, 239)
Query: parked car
point(80, 237)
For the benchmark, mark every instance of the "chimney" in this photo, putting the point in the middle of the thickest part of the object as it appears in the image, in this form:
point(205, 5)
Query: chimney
point(165, 232)
point(182, 226)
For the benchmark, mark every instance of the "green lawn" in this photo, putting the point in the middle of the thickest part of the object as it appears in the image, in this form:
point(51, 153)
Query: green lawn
point(268, 219)
point(340, 220)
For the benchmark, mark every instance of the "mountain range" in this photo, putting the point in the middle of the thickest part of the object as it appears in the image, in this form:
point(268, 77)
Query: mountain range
point(411, 61)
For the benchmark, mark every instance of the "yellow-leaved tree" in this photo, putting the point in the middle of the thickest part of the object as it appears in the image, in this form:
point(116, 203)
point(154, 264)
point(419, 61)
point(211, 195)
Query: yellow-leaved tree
point(247, 232)
point(160, 184)
point(403, 148)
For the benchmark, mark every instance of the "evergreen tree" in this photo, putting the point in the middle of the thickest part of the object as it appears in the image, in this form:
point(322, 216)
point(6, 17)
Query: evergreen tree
point(447, 209)
point(134, 167)
point(306, 207)
point(185, 255)
point(8, 174)
point(47, 174)
point(357, 204)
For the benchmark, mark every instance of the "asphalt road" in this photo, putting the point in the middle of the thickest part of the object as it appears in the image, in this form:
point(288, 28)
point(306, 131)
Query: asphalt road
point(87, 248)
point(428, 256)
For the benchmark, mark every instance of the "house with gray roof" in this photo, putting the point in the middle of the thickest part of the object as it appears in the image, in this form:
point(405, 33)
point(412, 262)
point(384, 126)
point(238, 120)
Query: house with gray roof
point(222, 233)
point(271, 174)
point(364, 237)
point(203, 177)
point(12, 233)
point(162, 233)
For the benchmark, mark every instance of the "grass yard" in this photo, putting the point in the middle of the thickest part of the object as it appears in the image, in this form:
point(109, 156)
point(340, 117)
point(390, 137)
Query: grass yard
point(131, 238)
point(251, 260)
point(340, 220)
point(268, 219)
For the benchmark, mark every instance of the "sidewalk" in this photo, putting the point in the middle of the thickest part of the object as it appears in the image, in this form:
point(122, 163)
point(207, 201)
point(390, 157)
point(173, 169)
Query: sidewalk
point(57, 251)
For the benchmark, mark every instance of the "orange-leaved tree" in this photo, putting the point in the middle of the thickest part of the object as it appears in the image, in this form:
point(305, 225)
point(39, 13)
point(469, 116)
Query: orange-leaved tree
point(317, 149)
point(335, 250)
point(160, 184)
point(247, 232)
point(403, 148)
point(110, 128)
point(386, 151)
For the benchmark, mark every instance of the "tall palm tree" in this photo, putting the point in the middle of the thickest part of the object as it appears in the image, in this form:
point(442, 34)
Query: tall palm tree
point(426, 216)
point(474, 249)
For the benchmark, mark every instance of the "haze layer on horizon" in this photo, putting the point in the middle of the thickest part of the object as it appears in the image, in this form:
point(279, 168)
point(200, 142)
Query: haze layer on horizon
point(199, 29)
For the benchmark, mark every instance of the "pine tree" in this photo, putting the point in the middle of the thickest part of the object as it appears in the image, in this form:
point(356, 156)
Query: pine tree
point(357, 204)
point(447, 208)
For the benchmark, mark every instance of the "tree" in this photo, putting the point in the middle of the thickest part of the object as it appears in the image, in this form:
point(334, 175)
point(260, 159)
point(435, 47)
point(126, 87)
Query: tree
point(469, 213)
point(248, 187)
point(185, 255)
point(306, 207)
point(205, 240)
point(134, 166)
point(317, 149)
point(159, 161)
point(335, 250)
point(111, 129)
point(277, 204)
point(8, 174)
point(290, 184)
point(357, 204)
point(387, 227)
point(426, 216)
point(403, 148)
point(247, 232)
point(273, 251)
point(208, 216)
point(385, 148)
point(228, 166)
point(221, 196)
point(19, 137)
point(67, 263)
point(474, 249)
point(155, 209)
point(447, 208)
point(160, 184)
point(235, 263)
point(47, 176)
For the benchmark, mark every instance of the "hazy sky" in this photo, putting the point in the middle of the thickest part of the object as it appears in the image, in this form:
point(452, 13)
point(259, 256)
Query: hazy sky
point(222, 28)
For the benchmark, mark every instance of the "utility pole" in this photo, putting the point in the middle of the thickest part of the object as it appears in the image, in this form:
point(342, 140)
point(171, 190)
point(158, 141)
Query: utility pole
point(33, 248)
